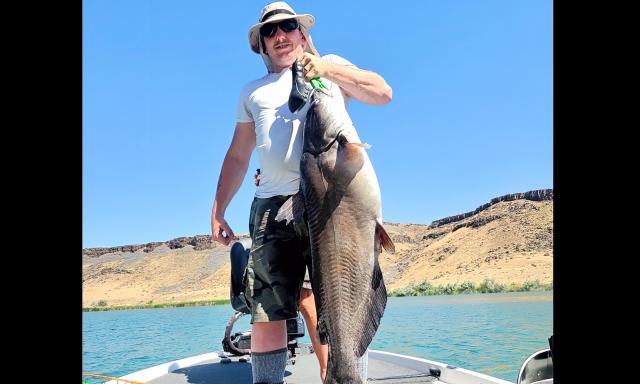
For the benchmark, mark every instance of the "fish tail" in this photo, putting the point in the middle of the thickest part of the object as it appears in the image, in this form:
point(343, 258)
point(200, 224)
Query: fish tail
point(342, 370)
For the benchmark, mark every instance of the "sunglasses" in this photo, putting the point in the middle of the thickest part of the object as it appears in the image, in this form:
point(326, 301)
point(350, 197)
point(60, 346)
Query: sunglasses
point(268, 30)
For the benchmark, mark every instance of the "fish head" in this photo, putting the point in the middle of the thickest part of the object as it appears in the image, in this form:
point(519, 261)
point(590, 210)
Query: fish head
point(324, 122)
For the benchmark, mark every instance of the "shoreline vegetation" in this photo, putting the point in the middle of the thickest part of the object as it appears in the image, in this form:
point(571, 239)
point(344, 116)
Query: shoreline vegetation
point(102, 305)
point(425, 288)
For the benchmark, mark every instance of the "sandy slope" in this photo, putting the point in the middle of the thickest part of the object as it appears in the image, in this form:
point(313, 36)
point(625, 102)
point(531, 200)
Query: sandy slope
point(513, 246)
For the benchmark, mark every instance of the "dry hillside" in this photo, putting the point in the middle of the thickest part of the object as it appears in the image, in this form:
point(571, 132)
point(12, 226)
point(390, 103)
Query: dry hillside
point(509, 239)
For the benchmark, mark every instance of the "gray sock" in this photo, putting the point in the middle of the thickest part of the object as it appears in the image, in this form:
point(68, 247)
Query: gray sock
point(268, 367)
point(363, 364)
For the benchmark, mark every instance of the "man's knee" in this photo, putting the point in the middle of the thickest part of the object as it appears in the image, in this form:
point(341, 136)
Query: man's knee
point(268, 336)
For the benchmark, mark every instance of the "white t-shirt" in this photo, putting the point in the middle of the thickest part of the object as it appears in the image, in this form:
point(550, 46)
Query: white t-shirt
point(278, 131)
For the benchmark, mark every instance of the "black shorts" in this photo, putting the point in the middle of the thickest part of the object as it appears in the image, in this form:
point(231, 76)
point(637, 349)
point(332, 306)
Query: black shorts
point(280, 254)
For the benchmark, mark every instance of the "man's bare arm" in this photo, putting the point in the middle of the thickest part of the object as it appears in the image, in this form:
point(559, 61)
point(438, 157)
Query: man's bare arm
point(363, 85)
point(234, 168)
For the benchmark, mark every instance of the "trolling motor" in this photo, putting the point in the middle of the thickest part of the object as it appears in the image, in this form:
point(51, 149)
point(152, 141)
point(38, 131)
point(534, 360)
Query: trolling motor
point(239, 343)
point(538, 368)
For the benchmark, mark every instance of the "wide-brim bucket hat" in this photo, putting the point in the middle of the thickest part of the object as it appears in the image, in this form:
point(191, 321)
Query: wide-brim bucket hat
point(277, 11)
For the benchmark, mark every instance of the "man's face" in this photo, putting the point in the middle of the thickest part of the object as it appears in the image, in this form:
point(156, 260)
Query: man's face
point(284, 47)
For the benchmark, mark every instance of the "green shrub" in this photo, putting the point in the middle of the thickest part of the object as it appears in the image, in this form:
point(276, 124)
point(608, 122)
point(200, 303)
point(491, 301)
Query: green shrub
point(450, 289)
point(490, 286)
point(531, 285)
point(467, 287)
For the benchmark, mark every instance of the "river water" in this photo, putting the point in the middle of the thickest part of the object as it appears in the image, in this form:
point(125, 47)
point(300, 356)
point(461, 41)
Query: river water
point(488, 333)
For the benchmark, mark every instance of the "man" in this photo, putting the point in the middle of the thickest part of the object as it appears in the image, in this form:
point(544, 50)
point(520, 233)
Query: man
point(279, 253)
point(308, 310)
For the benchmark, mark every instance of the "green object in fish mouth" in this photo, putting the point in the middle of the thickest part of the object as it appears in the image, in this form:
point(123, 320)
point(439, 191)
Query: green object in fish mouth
point(317, 83)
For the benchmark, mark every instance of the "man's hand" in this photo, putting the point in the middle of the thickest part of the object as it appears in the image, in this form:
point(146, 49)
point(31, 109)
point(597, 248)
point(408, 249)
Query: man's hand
point(363, 85)
point(313, 66)
point(221, 232)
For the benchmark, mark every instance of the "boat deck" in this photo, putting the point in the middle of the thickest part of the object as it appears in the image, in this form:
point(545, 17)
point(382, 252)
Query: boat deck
point(305, 371)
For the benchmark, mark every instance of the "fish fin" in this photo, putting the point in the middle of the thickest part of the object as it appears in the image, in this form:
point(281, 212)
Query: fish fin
point(322, 325)
point(377, 303)
point(363, 145)
point(383, 237)
point(329, 378)
point(292, 209)
point(322, 332)
point(350, 160)
point(286, 211)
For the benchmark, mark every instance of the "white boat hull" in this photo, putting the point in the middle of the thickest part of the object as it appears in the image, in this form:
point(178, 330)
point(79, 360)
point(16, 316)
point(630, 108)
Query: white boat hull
point(402, 363)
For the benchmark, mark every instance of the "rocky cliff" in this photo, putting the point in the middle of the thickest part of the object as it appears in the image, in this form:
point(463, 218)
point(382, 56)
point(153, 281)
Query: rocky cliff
point(198, 243)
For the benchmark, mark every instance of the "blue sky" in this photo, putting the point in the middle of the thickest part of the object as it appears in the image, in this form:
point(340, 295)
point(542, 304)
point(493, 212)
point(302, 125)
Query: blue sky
point(471, 116)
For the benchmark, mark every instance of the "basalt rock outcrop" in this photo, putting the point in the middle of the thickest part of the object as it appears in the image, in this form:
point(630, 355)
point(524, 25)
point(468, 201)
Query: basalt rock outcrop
point(535, 195)
point(198, 242)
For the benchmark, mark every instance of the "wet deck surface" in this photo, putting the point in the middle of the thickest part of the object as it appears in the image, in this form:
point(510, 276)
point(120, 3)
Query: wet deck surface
point(305, 371)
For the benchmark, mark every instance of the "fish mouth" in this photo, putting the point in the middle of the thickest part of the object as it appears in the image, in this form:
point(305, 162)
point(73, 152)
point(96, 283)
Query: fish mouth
point(300, 89)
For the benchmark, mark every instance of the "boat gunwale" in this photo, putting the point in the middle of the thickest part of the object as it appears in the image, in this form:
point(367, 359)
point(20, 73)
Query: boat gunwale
point(448, 373)
point(159, 370)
